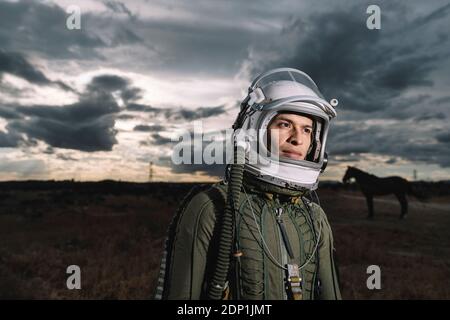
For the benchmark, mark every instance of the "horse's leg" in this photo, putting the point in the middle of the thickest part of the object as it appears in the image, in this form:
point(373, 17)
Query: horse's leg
point(404, 204)
point(369, 199)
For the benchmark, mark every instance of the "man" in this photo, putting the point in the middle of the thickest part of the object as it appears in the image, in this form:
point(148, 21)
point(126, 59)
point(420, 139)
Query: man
point(293, 135)
point(256, 235)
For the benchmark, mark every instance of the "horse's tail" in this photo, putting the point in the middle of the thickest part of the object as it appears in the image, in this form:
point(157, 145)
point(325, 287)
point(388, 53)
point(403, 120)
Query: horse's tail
point(419, 194)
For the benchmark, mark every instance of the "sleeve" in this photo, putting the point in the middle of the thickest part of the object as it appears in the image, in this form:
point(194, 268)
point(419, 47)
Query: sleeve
point(188, 254)
point(328, 273)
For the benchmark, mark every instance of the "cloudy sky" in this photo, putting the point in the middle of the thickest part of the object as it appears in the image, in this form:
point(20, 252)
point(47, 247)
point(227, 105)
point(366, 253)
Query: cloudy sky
point(103, 101)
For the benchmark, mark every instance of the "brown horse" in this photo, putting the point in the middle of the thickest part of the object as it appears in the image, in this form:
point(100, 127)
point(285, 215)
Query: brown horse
point(371, 185)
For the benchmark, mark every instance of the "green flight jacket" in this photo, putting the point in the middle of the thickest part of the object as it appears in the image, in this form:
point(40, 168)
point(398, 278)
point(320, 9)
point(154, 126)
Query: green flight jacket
point(188, 262)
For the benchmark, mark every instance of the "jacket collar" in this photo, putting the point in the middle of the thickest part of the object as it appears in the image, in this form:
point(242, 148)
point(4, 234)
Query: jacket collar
point(271, 191)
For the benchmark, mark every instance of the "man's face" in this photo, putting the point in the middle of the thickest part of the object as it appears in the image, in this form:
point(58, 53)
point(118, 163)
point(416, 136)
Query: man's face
point(293, 134)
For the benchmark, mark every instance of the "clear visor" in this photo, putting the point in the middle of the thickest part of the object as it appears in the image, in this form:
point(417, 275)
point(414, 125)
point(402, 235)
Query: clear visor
point(293, 137)
point(286, 74)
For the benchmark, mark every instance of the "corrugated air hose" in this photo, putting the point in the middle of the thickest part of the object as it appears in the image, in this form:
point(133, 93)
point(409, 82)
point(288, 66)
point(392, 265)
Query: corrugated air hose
point(227, 223)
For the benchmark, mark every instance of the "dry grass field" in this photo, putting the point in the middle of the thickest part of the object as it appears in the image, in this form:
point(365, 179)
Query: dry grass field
point(114, 232)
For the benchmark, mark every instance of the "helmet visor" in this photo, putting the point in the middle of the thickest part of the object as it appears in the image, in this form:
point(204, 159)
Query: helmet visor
point(293, 137)
point(286, 74)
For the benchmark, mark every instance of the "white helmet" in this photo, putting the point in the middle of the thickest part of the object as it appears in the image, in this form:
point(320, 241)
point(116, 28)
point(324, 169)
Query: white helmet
point(279, 91)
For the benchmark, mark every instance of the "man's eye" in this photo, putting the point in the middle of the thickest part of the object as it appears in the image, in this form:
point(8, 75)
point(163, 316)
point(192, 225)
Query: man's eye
point(307, 130)
point(284, 124)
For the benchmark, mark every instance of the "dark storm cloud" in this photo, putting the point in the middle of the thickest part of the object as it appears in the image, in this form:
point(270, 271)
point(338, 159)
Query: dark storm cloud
point(201, 44)
point(443, 137)
point(118, 7)
point(179, 113)
point(87, 125)
point(437, 14)
point(130, 94)
point(389, 141)
point(9, 139)
point(197, 39)
point(409, 71)
point(191, 49)
point(199, 113)
point(108, 83)
point(111, 83)
point(365, 69)
point(442, 100)
point(146, 128)
point(125, 116)
point(431, 116)
point(9, 112)
point(41, 27)
point(403, 108)
point(125, 35)
point(157, 139)
point(143, 108)
point(88, 108)
point(353, 147)
point(374, 74)
point(16, 64)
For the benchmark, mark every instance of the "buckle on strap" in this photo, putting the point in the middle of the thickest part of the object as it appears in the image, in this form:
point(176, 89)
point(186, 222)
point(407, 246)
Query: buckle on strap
point(294, 282)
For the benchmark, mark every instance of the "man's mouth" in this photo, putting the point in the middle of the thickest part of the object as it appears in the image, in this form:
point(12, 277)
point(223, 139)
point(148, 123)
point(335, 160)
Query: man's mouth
point(292, 155)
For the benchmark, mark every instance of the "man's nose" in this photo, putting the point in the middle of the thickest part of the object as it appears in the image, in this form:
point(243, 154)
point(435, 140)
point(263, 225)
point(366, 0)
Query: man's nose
point(295, 138)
